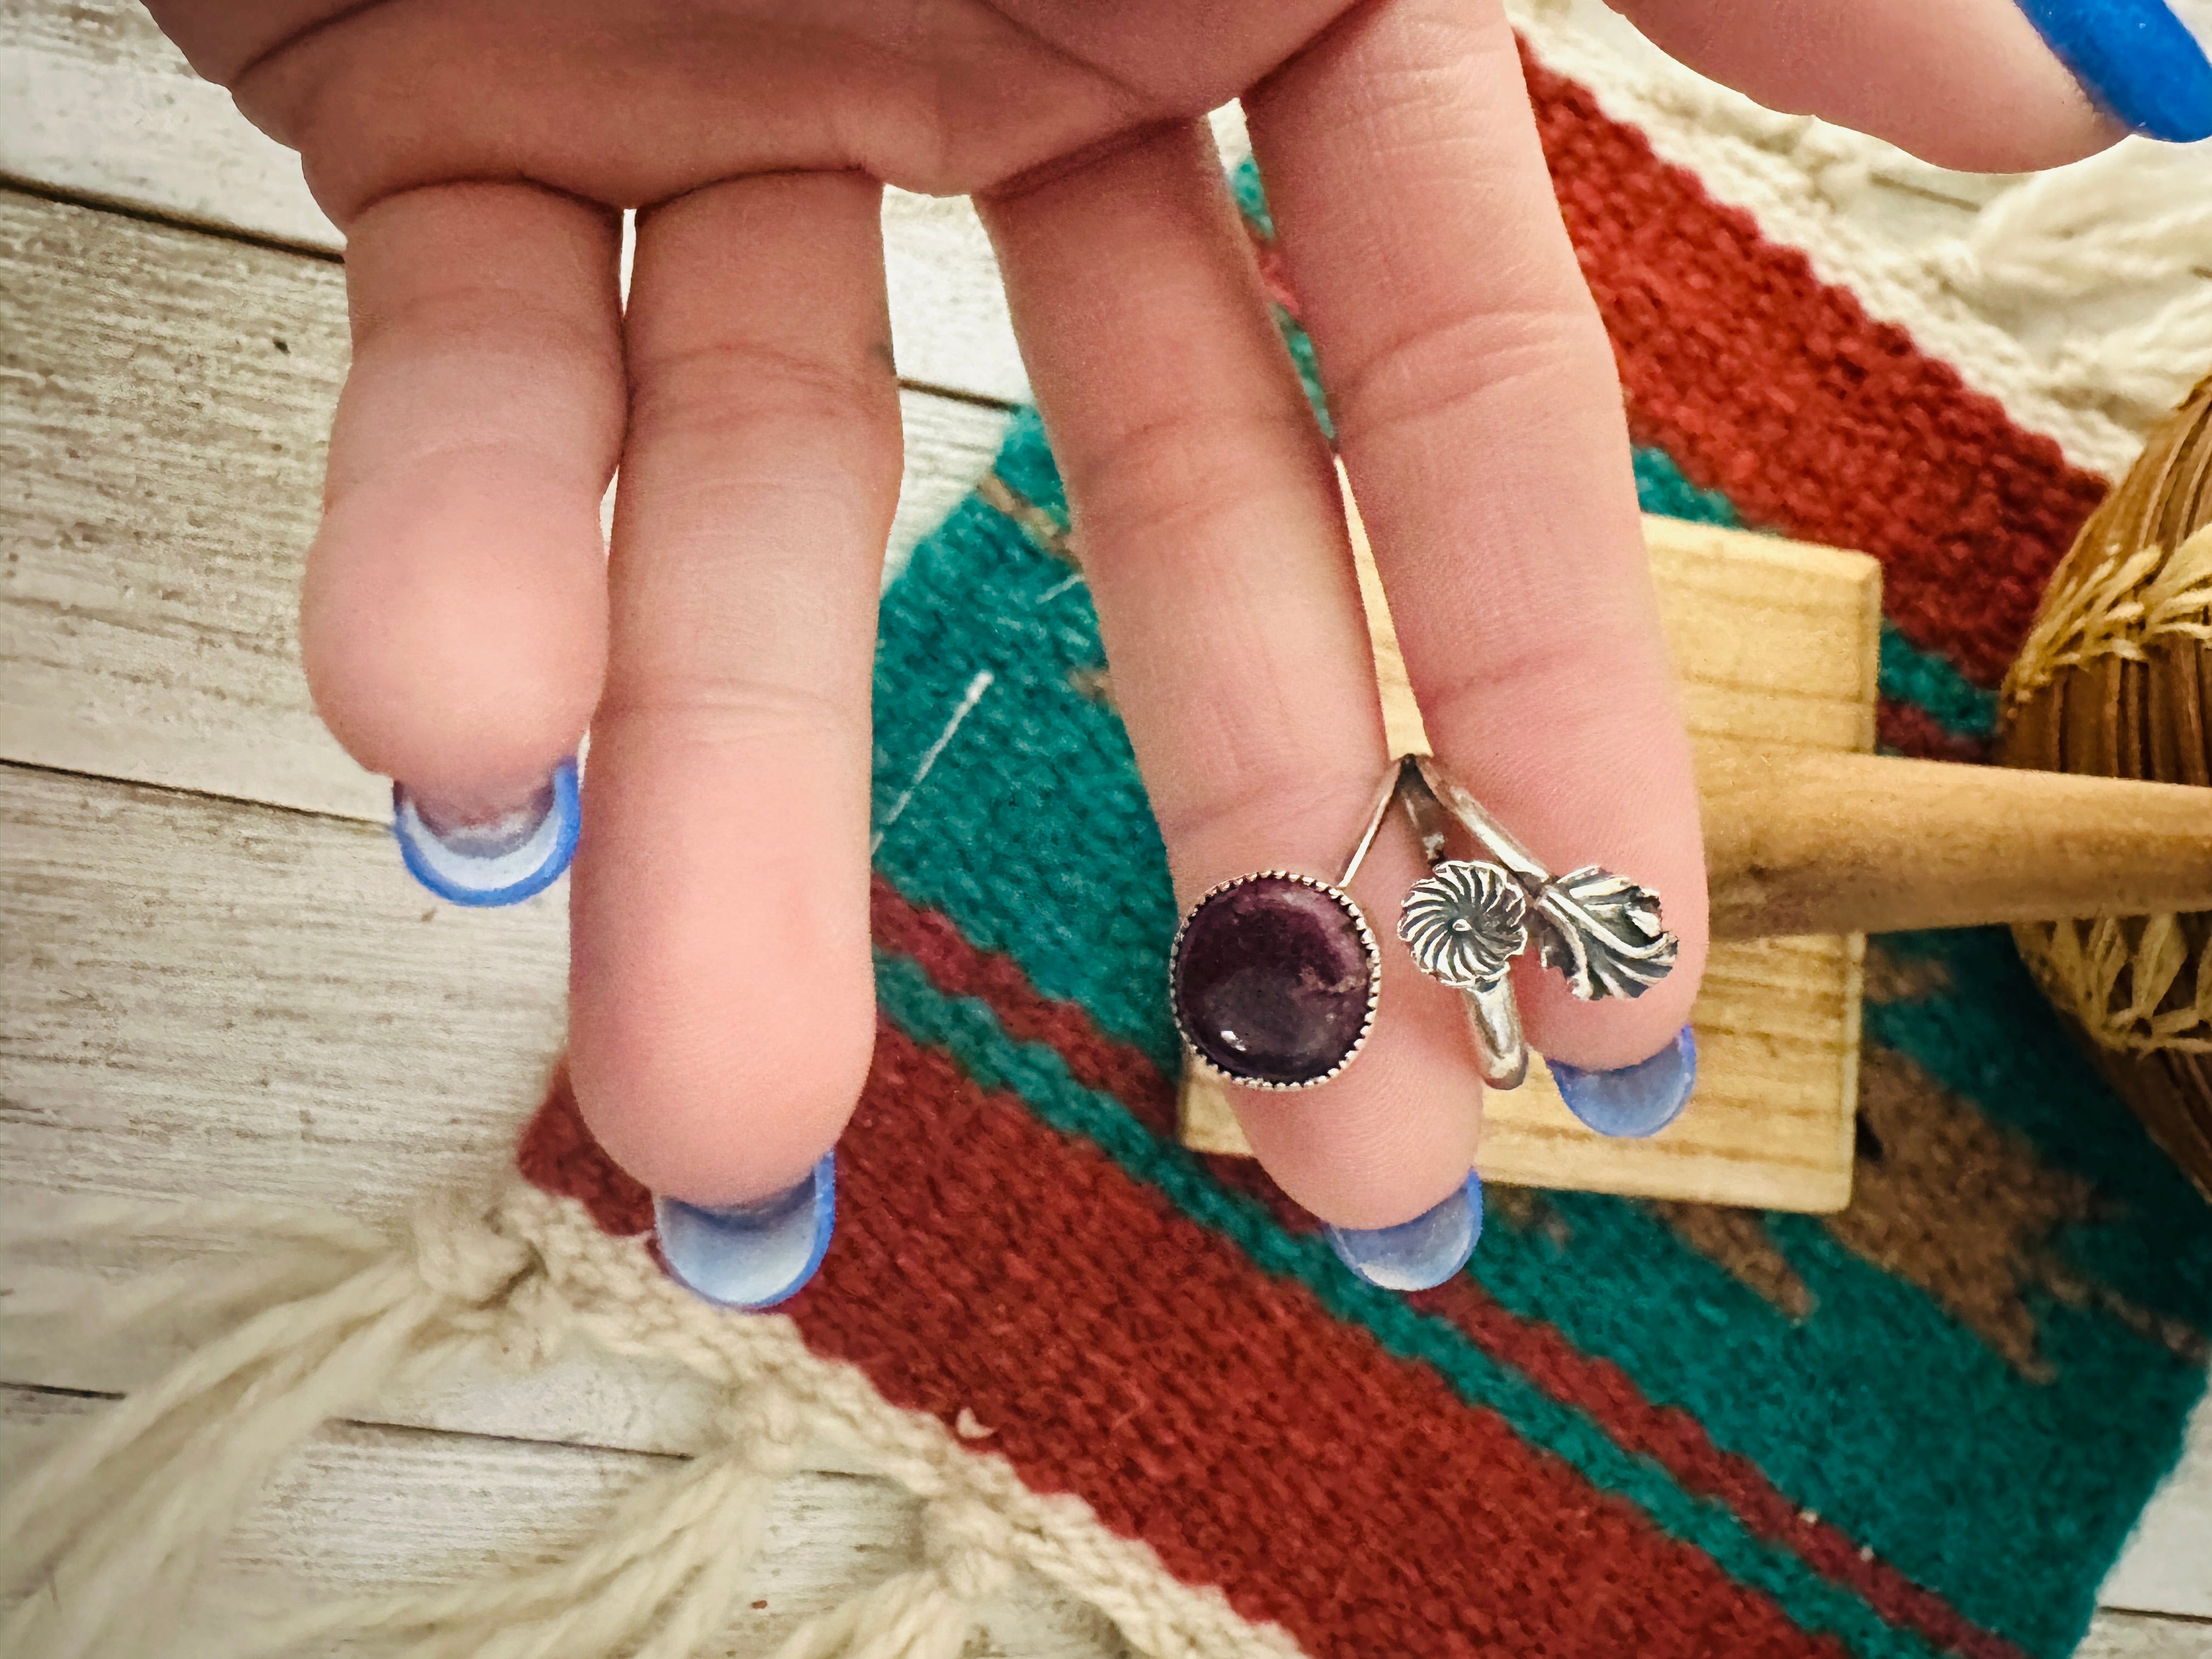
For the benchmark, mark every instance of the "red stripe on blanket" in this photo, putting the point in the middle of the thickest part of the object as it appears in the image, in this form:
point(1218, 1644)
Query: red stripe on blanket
point(1672, 1438)
point(1119, 1351)
point(1093, 1059)
point(1678, 1443)
point(557, 1154)
point(1767, 384)
point(1913, 731)
point(959, 968)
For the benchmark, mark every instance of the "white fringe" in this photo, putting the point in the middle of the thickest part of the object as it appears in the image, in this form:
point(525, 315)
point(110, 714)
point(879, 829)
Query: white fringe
point(114, 1533)
point(2130, 230)
point(2140, 215)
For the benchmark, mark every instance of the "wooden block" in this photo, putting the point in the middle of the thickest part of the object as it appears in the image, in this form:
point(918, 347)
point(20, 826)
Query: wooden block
point(1775, 646)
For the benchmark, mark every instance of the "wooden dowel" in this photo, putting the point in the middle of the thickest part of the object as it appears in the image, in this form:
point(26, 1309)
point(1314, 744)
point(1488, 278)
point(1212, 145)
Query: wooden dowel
point(1827, 844)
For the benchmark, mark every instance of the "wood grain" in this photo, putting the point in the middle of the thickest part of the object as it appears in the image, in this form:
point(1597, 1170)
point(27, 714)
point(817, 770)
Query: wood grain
point(95, 103)
point(1775, 647)
point(2114, 1635)
point(1778, 1040)
point(1775, 643)
point(197, 991)
point(1797, 841)
point(167, 395)
point(367, 1508)
point(2167, 1565)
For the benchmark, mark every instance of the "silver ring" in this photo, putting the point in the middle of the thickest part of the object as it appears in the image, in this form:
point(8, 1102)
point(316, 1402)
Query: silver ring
point(1274, 977)
point(1468, 919)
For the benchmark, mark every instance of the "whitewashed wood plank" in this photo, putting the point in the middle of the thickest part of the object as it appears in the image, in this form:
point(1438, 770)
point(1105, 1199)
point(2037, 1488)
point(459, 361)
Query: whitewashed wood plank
point(204, 999)
point(168, 397)
point(583, 1399)
point(949, 445)
point(950, 328)
point(95, 102)
point(2114, 1635)
point(2167, 1564)
point(200, 997)
point(369, 1508)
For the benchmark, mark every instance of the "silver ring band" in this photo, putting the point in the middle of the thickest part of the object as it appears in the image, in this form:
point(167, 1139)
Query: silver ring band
point(1468, 919)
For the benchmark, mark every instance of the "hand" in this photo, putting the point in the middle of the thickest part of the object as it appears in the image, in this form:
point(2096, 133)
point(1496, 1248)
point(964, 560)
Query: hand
point(463, 624)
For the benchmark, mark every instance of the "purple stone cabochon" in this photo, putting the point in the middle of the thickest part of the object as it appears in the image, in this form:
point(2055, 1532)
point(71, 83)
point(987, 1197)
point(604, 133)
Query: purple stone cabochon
point(1275, 980)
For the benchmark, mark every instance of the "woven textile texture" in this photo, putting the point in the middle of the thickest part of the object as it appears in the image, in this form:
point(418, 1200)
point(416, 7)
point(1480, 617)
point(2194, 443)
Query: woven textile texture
point(1920, 1426)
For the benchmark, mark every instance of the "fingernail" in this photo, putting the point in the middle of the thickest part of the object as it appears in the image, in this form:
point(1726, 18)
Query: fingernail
point(1633, 1101)
point(750, 1255)
point(1417, 1254)
point(2135, 58)
point(498, 858)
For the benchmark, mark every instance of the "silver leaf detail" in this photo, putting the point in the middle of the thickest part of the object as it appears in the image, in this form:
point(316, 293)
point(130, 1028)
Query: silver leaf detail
point(1465, 923)
point(1603, 932)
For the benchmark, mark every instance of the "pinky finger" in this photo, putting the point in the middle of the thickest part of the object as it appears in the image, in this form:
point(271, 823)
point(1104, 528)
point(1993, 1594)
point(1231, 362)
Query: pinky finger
point(453, 620)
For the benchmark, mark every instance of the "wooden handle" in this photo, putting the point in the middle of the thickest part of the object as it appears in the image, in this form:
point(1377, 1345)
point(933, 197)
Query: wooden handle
point(1775, 646)
point(1808, 843)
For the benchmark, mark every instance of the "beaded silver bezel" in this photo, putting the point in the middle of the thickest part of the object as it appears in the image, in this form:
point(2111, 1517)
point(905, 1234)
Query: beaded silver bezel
point(1368, 942)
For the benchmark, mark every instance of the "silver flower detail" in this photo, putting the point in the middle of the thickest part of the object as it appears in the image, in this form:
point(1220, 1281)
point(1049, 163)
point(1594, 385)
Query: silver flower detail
point(1465, 923)
point(1604, 933)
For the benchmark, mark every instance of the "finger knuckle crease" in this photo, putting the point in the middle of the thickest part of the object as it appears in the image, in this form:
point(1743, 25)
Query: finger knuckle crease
point(1181, 468)
point(1444, 362)
point(486, 317)
point(717, 708)
point(1258, 797)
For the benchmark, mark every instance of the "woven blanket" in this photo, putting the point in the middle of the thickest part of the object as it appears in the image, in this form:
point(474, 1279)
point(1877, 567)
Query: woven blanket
point(1920, 1426)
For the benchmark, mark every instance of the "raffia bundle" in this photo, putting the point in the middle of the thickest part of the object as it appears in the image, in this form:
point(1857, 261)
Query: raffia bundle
point(2116, 681)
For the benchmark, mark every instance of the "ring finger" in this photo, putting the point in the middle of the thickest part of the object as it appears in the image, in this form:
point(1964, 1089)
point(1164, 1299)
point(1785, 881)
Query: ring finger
point(1206, 512)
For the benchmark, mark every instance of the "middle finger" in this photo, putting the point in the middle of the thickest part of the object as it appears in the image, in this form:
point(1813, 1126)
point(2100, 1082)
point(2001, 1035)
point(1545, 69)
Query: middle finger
point(722, 1002)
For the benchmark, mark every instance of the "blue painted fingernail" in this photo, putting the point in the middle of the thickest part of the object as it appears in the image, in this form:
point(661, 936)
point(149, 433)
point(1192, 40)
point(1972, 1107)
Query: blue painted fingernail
point(1417, 1254)
point(2135, 58)
point(1634, 1101)
point(500, 860)
point(750, 1255)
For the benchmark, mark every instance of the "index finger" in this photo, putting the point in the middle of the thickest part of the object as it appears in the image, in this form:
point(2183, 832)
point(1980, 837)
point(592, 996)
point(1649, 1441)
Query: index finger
point(1479, 418)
